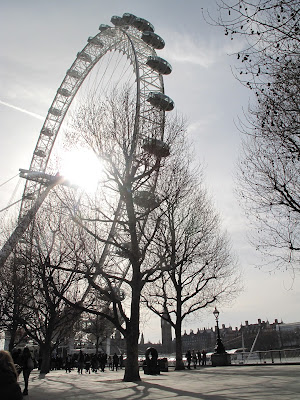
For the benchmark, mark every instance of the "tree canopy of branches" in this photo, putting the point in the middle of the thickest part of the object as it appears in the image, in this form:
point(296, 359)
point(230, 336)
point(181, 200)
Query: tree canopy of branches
point(198, 268)
point(269, 168)
point(98, 329)
point(270, 32)
point(269, 172)
point(116, 225)
point(44, 315)
point(13, 290)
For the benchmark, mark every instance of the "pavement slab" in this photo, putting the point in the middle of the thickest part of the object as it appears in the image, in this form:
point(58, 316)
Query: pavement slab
point(265, 382)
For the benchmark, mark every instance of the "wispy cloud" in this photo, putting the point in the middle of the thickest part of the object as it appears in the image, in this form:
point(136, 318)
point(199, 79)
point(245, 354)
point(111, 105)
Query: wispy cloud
point(202, 125)
point(34, 115)
point(192, 50)
point(198, 50)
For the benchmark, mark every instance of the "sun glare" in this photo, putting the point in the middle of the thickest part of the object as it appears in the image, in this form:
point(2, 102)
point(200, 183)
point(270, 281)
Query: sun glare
point(81, 167)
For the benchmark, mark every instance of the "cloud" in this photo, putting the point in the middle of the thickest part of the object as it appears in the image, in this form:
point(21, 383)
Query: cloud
point(200, 126)
point(191, 50)
point(196, 50)
point(37, 116)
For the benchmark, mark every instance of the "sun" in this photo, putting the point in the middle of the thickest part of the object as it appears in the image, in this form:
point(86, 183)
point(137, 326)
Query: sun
point(81, 167)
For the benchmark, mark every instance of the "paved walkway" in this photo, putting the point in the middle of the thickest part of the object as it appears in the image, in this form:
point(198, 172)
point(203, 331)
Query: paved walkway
point(266, 382)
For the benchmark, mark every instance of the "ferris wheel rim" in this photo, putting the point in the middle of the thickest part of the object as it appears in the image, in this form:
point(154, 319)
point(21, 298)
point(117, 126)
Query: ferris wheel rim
point(83, 64)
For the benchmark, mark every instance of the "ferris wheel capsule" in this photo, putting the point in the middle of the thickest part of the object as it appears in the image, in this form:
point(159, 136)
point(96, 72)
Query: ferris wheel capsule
point(117, 21)
point(103, 27)
point(156, 147)
point(96, 41)
point(153, 40)
point(129, 18)
point(161, 101)
point(159, 64)
point(142, 24)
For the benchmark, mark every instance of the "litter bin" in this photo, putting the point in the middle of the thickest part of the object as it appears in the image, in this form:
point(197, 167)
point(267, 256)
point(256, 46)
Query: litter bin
point(163, 364)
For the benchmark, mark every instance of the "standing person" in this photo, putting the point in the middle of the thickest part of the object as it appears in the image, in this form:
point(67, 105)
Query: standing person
point(87, 363)
point(27, 366)
point(199, 357)
point(80, 362)
point(68, 363)
point(95, 363)
point(203, 357)
point(115, 362)
point(9, 387)
point(194, 358)
point(109, 360)
point(188, 358)
point(103, 361)
point(16, 356)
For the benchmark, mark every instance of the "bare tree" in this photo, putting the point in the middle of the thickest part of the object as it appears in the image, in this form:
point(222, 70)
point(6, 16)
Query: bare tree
point(269, 30)
point(117, 225)
point(13, 290)
point(198, 268)
point(46, 318)
point(269, 183)
point(268, 178)
point(99, 329)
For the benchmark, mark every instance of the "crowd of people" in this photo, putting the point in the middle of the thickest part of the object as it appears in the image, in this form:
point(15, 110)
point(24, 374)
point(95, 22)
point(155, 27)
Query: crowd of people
point(92, 362)
point(22, 361)
point(197, 358)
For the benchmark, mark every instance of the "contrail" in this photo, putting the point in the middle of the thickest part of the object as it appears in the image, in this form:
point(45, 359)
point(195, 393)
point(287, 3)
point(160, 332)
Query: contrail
point(37, 116)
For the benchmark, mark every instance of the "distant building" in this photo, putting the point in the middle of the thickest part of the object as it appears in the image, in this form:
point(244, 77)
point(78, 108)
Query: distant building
point(202, 339)
point(142, 340)
point(261, 335)
point(166, 334)
point(288, 334)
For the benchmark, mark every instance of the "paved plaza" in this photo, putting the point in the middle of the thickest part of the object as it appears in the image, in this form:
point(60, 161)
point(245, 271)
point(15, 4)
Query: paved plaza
point(264, 382)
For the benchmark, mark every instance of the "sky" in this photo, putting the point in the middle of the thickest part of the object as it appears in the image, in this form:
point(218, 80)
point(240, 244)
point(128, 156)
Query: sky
point(39, 41)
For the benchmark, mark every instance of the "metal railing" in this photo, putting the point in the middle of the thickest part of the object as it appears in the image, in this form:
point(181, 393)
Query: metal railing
point(267, 357)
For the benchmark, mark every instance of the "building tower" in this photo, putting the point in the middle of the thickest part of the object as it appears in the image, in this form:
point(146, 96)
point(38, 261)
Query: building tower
point(166, 333)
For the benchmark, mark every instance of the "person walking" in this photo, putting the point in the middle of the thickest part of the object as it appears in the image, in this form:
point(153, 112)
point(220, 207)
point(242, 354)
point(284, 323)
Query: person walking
point(103, 361)
point(203, 357)
point(188, 358)
point(194, 358)
point(68, 363)
point(87, 363)
point(27, 365)
point(199, 357)
point(80, 362)
point(115, 362)
point(110, 362)
point(9, 387)
point(95, 363)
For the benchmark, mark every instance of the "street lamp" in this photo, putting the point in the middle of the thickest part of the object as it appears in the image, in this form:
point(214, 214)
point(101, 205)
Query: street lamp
point(219, 349)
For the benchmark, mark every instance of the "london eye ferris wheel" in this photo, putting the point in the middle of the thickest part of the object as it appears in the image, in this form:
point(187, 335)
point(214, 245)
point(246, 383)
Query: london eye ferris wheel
point(120, 58)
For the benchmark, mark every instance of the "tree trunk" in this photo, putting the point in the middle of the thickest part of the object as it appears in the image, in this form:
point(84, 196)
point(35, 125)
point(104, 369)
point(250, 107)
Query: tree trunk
point(179, 363)
point(12, 339)
point(46, 358)
point(132, 373)
point(97, 345)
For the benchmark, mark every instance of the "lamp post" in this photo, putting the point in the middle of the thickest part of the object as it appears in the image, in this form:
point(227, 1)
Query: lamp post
point(219, 349)
point(219, 357)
